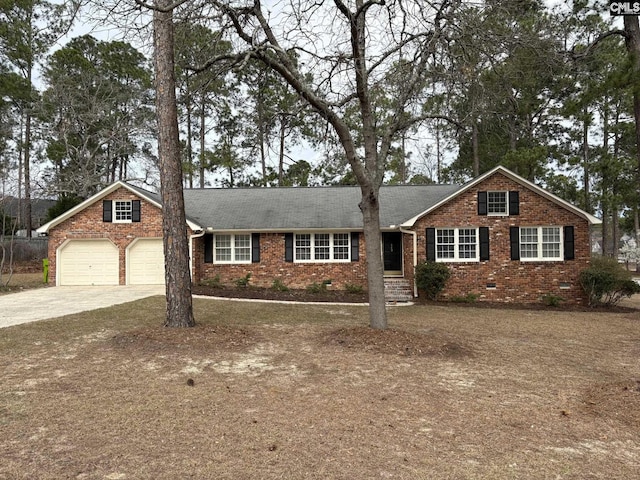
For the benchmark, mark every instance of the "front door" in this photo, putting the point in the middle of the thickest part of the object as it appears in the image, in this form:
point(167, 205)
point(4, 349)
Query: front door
point(392, 253)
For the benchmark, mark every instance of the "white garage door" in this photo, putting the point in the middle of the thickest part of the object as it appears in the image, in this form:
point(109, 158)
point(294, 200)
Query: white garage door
point(88, 262)
point(145, 262)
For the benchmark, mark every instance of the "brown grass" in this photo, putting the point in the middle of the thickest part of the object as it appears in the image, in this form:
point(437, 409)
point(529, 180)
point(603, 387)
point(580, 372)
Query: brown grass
point(260, 391)
point(20, 281)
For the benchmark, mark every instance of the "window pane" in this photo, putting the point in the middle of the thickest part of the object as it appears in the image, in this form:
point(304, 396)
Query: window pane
point(497, 202)
point(341, 246)
point(321, 249)
point(223, 248)
point(122, 210)
point(551, 242)
point(467, 243)
point(528, 242)
point(445, 243)
point(303, 246)
point(243, 248)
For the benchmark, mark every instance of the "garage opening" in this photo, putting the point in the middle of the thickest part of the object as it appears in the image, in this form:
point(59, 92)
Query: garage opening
point(145, 262)
point(88, 262)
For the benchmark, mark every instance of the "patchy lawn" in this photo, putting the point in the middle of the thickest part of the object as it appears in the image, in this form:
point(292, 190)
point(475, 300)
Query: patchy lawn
point(269, 391)
point(20, 281)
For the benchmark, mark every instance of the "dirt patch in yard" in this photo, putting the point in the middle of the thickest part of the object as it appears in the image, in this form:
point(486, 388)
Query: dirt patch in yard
point(275, 391)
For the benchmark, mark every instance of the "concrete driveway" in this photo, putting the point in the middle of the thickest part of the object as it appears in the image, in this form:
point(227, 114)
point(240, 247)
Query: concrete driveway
point(52, 302)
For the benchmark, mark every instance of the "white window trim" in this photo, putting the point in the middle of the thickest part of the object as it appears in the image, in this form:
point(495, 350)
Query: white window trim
point(506, 204)
point(233, 249)
point(331, 258)
point(539, 257)
point(113, 211)
point(456, 245)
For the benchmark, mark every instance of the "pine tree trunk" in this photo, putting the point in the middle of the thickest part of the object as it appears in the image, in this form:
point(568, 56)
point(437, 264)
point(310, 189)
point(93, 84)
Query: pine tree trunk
point(27, 177)
point(632, 30)
point(176, 247)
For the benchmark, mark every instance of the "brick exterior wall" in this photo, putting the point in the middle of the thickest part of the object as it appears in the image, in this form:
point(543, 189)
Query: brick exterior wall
point(273, 266)
point(88, 224)
point(515, 281)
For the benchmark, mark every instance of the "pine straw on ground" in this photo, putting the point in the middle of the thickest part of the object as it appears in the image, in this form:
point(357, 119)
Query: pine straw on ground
point(260, 391)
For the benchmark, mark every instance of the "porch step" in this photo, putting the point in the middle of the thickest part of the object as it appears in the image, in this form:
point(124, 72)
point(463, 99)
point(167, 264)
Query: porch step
point(397, 290)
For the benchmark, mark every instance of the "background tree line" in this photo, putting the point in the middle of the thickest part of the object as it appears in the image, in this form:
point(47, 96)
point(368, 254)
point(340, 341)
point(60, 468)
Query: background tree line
point(511, 83)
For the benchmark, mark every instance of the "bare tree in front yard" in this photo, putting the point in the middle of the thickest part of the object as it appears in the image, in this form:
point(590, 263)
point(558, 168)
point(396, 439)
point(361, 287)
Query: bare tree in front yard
point(364, 67)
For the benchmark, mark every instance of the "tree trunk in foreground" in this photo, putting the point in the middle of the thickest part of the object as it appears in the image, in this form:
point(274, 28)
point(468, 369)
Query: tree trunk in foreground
point(370, 208)
point(174, 225)
point(632, 31)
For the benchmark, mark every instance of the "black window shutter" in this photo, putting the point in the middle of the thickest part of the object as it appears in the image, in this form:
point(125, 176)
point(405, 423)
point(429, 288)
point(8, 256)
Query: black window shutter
point(355, 246)
point(569, 244)
point(288, 247)
point(484, 243)
point(135, 211)
point(431, 244)
point(107, 211)
point(208, 248)
point(514, 203)
point(514, 233)
point(482, 203)
point(255, 248)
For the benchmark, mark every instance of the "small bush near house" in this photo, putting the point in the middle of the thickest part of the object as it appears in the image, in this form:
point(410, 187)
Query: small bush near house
point(468, 298)
point(279, 286)
point(352, 288)
point(316, 287)
point(431, 278)
point(606, 283)
point(551, 300)
point(212, 282)
point(243, 281)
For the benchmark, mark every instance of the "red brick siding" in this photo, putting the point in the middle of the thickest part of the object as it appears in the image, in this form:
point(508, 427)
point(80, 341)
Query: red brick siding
point(516, 281)
point(272, 266)
point(88, 224)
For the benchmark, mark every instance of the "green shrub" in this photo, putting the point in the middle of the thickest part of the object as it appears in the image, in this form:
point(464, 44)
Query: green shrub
point(279, 286)
point(468, 298)
point(243, 281)
point(352, 288)
point(212, 282)
point(606, 283)
point(316, 287)
point(431, 278)
point(552, 300)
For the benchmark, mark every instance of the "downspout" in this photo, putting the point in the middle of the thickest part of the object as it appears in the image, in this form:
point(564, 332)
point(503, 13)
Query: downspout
point(415, 258)
point(198, 234)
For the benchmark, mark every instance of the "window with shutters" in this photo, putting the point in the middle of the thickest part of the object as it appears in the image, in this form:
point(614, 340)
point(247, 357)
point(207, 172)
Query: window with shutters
point(497, 203)
point(122, 211)
point(457, 245)
point(541, 243)
point(232, 248)
point(322, 247)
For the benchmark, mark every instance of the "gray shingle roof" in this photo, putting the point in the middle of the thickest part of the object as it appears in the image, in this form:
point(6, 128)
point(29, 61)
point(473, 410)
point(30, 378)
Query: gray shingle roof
point(299, 208)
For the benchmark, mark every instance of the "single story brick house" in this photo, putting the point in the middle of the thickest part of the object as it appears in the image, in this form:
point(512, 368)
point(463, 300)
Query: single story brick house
point(504, 238)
